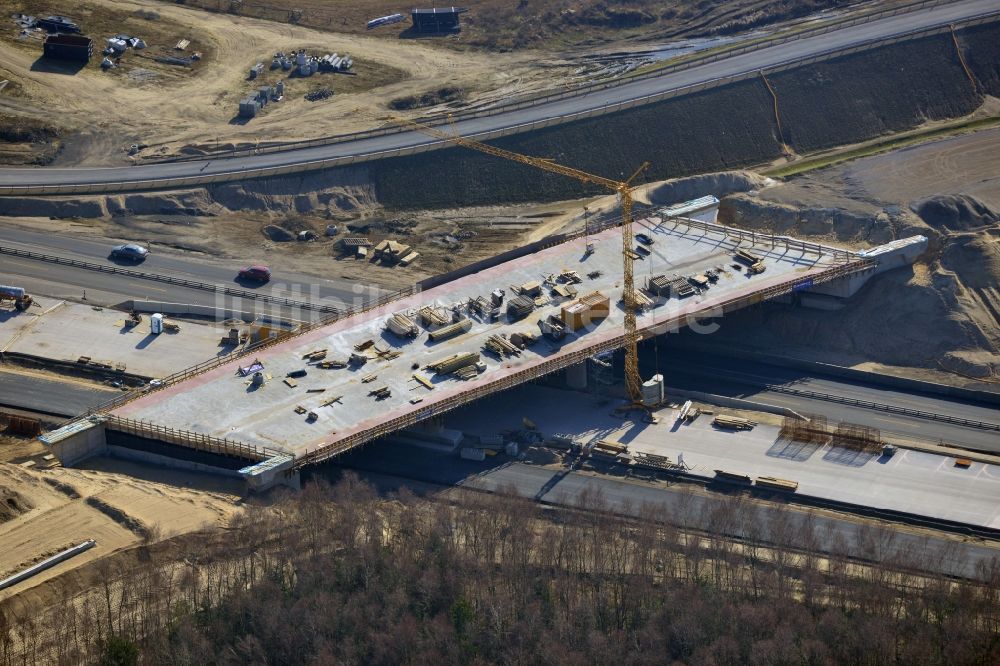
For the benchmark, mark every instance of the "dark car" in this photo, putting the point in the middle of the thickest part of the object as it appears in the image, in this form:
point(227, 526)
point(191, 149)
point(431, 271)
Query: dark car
point(255, 274)
point(129, 251)
point(644, 239)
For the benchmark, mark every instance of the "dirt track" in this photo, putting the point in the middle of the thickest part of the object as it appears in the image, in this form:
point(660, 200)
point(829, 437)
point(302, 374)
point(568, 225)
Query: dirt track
point(167, 501)
point(960, 165)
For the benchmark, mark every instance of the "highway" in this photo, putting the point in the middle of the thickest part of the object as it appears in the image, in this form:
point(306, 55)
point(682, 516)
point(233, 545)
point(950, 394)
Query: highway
point(49, 396)
point(393, 466)
point(563, 109)
point(720, 375)
point(61, 281)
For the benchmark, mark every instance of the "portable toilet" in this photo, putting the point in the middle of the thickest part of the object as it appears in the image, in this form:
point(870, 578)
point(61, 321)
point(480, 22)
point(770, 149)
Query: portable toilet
point(156, 324)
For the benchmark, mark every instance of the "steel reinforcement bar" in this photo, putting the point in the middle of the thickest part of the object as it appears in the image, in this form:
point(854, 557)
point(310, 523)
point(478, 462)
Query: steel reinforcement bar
point(647, 330)
point(347, 160)
point(168, 279)
point(533, 100)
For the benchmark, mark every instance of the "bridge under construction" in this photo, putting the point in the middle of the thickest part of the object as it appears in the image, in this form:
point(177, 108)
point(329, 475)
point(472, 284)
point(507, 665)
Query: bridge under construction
point(316, 394)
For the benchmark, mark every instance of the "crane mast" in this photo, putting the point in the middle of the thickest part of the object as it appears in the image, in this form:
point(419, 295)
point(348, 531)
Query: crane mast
point(633, 381)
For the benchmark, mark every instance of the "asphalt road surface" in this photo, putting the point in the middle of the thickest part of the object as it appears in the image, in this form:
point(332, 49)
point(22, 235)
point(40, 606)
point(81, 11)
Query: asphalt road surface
point(393, 465)
point(49, 396)
point(738, 378)
point(61, 281)
point(370, 148)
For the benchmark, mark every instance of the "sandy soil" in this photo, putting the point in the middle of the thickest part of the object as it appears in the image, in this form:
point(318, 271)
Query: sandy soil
point(940, 319)
point(166, 502)
point(201, 107)
point(961, 165)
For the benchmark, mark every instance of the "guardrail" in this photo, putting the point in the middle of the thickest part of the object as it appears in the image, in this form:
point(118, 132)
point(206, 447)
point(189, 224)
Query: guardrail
point(327, 163)
point(188, 439)
point(892, 409)
point(696, 61)
point(169, 279)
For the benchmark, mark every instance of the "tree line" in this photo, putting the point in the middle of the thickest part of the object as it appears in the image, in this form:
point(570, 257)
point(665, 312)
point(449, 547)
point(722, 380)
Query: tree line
point(340, 574)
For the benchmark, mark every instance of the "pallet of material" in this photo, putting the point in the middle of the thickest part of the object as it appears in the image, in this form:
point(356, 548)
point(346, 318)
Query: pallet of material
point(317, 355)
point(773, 483)
point(381, 393)
point(433, 316)
point(680, 288)
point(402, 326)
point(520, 306)
point(409, 259)
point(501, 346)
point(466, 372)
point(610, 446)
point(449, 364)
point(733, 422)
point(452, 330)
point(565, 290)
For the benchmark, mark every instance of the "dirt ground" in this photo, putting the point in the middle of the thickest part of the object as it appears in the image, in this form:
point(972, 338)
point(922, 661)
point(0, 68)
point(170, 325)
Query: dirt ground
point(170, 112)
point(941, 319)
point(58, 508)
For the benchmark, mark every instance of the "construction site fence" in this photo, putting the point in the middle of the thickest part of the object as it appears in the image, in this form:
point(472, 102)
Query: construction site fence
point(558, 363)
point(197, 179)
point(168, 279)
point(695, 60)
point(188, 439)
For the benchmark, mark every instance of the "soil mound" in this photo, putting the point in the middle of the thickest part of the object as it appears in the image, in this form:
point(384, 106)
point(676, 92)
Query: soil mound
point(720, 184)
point(955, 212)
point(12, 504)
point(278, 234)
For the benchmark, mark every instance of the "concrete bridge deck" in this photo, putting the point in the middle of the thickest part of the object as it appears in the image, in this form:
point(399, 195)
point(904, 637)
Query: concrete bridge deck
point(220, 403)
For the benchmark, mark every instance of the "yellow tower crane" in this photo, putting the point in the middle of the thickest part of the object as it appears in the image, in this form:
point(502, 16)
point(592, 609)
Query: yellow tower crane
point(623, 189)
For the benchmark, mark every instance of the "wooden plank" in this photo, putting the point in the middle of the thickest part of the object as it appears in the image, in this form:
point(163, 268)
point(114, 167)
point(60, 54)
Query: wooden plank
point(426, 383)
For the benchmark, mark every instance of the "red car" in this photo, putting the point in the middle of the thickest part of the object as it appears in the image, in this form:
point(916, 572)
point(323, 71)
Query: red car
point(255, 274)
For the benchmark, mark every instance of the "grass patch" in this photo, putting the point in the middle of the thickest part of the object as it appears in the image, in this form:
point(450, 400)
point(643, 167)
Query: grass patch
point(892, 143)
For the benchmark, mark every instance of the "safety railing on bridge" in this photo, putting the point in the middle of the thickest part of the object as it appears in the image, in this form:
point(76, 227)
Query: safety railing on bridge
point(188, 439)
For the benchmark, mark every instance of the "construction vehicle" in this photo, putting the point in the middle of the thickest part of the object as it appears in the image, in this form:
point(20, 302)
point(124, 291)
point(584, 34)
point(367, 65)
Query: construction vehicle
point(16, 295)
point(633, 381)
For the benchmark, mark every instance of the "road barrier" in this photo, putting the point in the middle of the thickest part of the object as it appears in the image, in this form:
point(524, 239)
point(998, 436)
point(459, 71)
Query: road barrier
point(348, 160)
point(892, 409)
point(170, 279)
